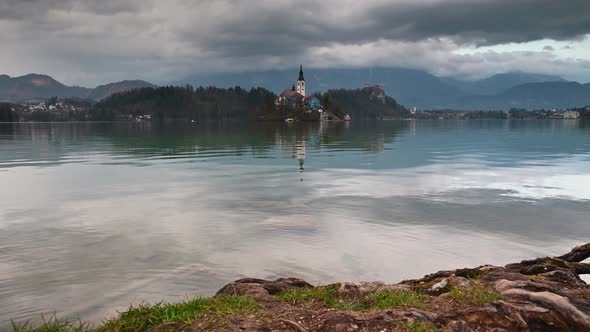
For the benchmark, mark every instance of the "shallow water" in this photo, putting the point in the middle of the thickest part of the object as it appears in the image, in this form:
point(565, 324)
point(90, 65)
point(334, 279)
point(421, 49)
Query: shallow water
point(96, 216)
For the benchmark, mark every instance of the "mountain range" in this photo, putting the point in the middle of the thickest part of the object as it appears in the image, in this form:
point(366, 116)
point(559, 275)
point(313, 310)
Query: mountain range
point(41, 87)
point(421, 89)
point(410, 87)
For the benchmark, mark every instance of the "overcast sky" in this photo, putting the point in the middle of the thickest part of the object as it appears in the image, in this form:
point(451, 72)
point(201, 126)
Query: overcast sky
point(90, 42)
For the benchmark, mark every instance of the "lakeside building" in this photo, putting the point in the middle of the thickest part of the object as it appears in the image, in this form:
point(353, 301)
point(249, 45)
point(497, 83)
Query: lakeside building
point(313, 103)
point(571, 114)
point(564, 114)
point(295, 98)
point(289, 97)
point(296, 95)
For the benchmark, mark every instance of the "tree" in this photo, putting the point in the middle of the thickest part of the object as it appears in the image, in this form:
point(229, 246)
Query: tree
point(6, 113)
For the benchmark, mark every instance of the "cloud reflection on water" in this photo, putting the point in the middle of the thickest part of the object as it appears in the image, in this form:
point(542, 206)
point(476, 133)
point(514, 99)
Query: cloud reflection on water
point(376, 203)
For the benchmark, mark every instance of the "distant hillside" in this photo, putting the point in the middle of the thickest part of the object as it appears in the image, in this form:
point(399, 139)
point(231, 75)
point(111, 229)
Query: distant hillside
point(371, 103)
point(184, 103)
point(41, 87)
point(35, 86)
point(501, 82)
point(103, 91)
point(409, 87)
point(418, 88)
point(546, 95)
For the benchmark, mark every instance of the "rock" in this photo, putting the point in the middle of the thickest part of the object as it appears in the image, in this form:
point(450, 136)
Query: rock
point(491, 315)
point(255, 291)
point(561, 309)
point(259, 289)
point(439, 286)
point(457, 326)
point(544, 294)
point(577, 254)
point(564, 277)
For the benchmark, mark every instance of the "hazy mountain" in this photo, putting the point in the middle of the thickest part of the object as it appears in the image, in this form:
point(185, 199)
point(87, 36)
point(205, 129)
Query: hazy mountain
point(409, 87)
point(415, 87)
point(103, 91)
point(35, 86)
point(501, 82)
point(41, 87)
point(545, 95)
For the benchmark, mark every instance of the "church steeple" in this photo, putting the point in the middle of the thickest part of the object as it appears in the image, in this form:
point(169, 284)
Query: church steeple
point(301, 82)
point(301, 73)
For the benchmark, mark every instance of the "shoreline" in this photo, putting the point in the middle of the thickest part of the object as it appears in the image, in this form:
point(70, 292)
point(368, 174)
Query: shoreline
point(541, 294)
point(294, 122)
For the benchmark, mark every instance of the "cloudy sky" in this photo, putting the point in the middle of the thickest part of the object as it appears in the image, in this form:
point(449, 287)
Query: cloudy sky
point(89, 42)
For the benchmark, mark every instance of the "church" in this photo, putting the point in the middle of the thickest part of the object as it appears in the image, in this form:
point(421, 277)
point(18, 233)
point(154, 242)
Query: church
point(297, 91)
point(297, 96)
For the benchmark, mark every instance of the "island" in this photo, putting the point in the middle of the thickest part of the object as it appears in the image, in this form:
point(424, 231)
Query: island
point(543, 294)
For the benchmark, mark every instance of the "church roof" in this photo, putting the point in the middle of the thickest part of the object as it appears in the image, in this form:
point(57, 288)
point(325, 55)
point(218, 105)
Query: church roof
point(288, 93)
point(301, 73)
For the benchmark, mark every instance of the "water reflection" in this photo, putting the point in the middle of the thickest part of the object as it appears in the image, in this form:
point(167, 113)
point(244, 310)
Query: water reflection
point(55, 143)
point(95, 216)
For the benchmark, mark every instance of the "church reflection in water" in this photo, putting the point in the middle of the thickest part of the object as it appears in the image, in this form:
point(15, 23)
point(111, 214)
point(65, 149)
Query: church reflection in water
point(301, 141)
point(300, 151)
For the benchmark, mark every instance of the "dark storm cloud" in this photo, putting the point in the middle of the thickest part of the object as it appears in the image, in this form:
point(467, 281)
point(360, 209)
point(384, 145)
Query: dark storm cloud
point(23, 9)
point(91, 40)
point(291, 28)
point(486, 22)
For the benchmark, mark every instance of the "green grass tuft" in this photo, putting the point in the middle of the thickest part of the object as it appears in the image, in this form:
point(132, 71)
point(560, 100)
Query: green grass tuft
point(474, 295)
point(328, 296)
point(143, 317)
point(310, 296)
point(399, 299)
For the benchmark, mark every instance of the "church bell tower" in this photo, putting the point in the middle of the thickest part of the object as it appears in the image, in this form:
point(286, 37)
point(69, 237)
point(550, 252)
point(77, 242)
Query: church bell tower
point(301, 82)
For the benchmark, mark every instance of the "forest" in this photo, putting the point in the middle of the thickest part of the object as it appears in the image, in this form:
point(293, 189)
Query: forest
point(7, 114)
point(184, 103)
point(366, 103)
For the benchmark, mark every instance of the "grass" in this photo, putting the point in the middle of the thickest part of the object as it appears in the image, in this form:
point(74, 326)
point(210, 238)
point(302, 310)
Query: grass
point(388, 299)
point(418, 327)
point(310, 296)
point(474, 295)
point(328, 296)
point(144, 317)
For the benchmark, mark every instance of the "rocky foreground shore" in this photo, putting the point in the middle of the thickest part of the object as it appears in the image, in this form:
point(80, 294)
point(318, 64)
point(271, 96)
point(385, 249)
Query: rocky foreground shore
point(544, 294)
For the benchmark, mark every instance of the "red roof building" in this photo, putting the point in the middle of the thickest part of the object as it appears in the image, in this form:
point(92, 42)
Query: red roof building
point(289, 93)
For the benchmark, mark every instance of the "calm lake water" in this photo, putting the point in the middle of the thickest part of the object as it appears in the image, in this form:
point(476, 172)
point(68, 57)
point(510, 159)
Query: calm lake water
point(94, 217)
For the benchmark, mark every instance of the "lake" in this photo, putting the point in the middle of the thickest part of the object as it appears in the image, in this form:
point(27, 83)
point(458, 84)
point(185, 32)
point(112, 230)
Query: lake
point(95, 216)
